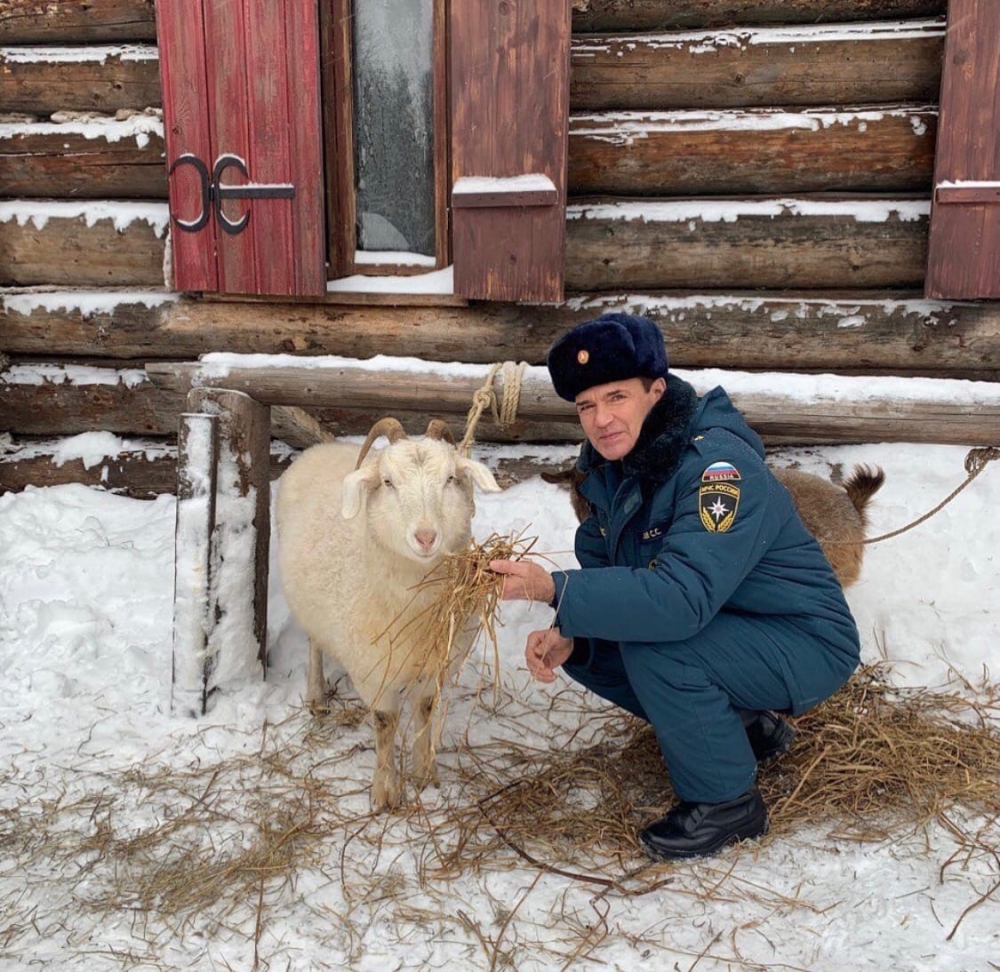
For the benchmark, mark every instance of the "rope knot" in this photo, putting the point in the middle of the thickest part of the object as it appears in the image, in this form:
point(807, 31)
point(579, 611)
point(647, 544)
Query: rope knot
point(504, 413)
point(976, 460)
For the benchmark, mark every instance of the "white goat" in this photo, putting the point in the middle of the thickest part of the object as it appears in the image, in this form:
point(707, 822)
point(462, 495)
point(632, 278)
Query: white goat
point(356, 533)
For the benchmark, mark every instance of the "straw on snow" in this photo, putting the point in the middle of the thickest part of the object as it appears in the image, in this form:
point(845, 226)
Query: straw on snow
point(222, 840)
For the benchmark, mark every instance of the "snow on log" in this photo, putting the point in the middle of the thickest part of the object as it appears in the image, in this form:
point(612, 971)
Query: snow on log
point(193, 661)
point(784, 409)
point(221, 546)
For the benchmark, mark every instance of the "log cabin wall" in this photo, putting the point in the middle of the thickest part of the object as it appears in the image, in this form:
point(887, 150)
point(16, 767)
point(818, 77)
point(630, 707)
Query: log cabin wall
point(753, 174)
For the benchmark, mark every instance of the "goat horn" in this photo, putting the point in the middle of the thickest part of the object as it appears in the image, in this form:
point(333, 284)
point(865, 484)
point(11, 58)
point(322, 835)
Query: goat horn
point(389, 427)
point(438, 429)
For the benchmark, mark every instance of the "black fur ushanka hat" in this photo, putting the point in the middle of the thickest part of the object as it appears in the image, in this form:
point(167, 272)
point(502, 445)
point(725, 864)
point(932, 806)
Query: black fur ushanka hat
point(612, 347)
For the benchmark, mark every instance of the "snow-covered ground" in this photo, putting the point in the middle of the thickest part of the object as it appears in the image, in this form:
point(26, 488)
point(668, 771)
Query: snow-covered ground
point(92, 760)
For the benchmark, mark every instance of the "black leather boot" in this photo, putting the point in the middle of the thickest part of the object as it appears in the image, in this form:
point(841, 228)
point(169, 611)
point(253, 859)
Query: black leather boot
point(770, 736)
point(698, 829)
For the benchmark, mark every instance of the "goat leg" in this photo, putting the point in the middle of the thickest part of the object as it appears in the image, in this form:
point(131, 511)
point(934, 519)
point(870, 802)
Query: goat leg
point(385, 785)
point(316, 682)
point(423, 770)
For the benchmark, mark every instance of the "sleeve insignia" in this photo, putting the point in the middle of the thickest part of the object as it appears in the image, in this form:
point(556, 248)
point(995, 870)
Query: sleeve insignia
point(717, 503)
point(720, 472)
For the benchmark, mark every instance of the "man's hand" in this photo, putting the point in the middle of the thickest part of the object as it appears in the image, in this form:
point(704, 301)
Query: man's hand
point(546, 651)
point(524, 580)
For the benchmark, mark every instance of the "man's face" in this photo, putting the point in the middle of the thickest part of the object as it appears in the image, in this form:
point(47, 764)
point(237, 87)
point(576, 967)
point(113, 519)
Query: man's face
point(612, 414)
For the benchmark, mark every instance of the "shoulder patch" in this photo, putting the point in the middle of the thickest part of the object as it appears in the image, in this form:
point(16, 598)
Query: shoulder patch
point(720, 472)
point(717, 505)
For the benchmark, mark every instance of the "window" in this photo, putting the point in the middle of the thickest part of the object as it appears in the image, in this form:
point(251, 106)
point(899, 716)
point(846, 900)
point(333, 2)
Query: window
point(314, 139)
point(386, 134)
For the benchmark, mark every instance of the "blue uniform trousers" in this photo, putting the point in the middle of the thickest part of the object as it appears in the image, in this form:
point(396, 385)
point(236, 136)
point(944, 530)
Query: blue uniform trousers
point(695, 693)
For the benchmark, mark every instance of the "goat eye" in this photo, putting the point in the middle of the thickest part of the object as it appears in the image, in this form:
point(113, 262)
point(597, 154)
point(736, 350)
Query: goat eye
point(452, 479)
point(387, 483)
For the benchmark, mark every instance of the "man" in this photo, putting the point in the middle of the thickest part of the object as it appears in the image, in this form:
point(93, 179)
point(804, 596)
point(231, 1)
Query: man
point(702, 604)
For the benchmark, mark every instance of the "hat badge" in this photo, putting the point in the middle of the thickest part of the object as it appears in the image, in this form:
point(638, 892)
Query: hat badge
point(582, 356)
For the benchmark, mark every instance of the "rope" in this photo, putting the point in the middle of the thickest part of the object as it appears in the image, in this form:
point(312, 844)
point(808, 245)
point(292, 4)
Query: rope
point(975, 462)
point(504, 413)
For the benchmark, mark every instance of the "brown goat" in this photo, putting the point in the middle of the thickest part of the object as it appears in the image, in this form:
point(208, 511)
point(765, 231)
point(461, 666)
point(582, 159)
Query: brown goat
point(834, 515)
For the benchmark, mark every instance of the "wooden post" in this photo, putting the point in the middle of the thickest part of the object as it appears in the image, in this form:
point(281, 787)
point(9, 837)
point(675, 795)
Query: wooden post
point(197, 465)
point(222, 546)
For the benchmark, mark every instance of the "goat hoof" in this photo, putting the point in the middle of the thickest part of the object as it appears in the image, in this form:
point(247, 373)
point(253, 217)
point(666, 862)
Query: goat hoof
point(385, 796)
point(423, 780)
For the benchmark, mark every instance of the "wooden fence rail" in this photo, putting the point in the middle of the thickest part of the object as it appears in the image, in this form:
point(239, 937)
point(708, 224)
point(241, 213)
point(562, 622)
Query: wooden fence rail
point(823, 416)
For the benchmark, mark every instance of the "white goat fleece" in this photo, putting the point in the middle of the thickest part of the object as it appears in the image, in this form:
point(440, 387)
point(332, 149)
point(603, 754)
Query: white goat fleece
point(351, 547)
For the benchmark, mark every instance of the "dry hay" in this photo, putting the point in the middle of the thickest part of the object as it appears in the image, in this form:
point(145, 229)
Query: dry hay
point(222, 841)
point(867, 763)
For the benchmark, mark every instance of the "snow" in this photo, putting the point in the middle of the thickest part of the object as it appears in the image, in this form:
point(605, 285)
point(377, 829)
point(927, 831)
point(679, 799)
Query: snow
point(732, 210)
point(709, 41)
point(90, 54)
point(803, 388)
point(138, 126)
point(84, 302)
point(623, 127)
point(40, 374)
point(86, 615)
point(435, 282)
point(531, 182)
point(122, 214)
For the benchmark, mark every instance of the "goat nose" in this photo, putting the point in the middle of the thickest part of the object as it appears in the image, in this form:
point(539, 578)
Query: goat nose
point(426, 538)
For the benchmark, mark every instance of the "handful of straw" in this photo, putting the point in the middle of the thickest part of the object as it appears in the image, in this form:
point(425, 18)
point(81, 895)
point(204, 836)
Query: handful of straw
point(465, 591)
point(462, 596)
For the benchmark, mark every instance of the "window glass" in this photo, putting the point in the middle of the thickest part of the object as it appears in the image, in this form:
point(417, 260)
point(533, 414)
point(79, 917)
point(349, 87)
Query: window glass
point(394, 125)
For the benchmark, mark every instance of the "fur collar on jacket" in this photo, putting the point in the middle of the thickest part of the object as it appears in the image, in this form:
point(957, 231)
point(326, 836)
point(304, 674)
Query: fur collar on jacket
point(665, 434)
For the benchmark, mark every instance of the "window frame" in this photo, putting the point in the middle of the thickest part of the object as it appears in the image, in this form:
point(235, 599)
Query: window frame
point(336, 80)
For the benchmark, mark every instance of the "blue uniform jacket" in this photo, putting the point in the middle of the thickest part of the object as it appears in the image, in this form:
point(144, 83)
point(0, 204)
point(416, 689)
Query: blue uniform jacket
point(692, 523)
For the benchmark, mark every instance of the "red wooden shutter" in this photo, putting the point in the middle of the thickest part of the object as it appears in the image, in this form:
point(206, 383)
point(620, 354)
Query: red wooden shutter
point(510, 119)
point(964, 246)
point(241, 101)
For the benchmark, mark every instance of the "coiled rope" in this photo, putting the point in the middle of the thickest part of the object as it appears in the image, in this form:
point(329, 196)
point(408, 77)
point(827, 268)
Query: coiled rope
point(504, 412)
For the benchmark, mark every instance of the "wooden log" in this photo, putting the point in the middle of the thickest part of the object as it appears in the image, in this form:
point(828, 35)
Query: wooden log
point(242, 532)
point(666, 154)
point(822, 415)
point(84, 158)
point(82, 244)
point(819, 65)
point(139, 470)
point(48, 399)
point(720, 243)
point(65, 400)
point(72, 22)
point(730, 243)
point(624, 15)
point(877, 332)
point(767, 151)
point(42, 81)
point(836, 64)
point(193, 663)
point(69, 21)
point(151, 471)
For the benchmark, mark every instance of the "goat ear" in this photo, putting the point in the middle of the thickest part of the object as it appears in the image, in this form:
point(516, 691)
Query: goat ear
point(354, 490)
point(479, 474)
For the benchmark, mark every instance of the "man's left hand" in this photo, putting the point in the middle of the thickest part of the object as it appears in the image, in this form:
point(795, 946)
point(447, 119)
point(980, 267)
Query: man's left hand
point(524, 580)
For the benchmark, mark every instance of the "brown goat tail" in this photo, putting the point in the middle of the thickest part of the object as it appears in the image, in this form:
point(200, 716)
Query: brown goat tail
point(863, 483)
